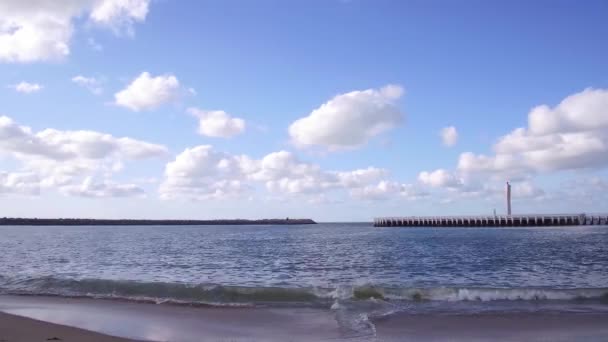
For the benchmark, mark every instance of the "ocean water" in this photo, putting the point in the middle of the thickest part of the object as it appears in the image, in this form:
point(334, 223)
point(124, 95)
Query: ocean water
point(354, 269)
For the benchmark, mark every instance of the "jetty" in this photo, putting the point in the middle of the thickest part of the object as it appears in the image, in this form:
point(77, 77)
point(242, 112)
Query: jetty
point(508, 220)
point(494, 220)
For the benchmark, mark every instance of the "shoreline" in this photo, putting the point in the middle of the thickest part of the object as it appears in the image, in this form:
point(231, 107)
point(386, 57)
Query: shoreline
point(176, 323)
point(76, 319)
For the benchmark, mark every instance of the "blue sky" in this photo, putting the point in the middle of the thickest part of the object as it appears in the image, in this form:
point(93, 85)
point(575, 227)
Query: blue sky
point(324, 109)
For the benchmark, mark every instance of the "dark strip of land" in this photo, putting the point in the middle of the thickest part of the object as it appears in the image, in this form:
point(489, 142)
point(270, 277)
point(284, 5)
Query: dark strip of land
point(8, 221)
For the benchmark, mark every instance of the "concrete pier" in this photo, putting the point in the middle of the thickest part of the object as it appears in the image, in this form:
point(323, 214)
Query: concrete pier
point(494, 220)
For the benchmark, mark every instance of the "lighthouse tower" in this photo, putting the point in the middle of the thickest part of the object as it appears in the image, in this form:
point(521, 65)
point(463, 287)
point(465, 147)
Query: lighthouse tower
point(508, 199)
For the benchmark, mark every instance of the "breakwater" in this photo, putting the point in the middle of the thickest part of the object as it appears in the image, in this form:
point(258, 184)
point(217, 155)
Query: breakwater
point(8, 221)
point(493, 220)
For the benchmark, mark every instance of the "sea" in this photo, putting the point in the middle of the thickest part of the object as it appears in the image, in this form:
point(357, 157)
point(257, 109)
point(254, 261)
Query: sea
point(358, 271)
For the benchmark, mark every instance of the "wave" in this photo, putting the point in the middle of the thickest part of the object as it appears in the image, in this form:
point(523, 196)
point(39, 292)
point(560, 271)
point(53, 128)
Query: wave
point(214, 294)
point(454, 294)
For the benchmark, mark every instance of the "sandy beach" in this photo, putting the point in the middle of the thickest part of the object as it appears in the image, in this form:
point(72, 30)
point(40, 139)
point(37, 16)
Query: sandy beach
point(152, 322)
point(70, 319)
point(495, 327)
point(21, 329)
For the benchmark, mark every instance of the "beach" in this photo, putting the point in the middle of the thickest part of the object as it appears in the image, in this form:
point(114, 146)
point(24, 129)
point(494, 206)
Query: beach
point(152, 322)
point(21, 329)
point(76, 319)
point(495, 327)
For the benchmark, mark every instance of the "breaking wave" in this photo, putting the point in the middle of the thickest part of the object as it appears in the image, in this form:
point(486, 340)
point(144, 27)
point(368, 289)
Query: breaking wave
point(356, 308)
point(213, 294)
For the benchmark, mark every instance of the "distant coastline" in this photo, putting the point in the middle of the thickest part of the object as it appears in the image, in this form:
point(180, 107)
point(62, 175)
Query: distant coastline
point(17, 221)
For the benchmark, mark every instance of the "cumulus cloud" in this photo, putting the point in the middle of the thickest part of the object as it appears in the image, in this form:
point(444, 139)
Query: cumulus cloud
point(88, 188)
point(361, 177)
point(385, 190)
point(90, 83)
point(283, 172)
point(27, 88)
point(148, 92)
point(571, 135)
point(439, 179)
point(450, 189)
point(449, 136)
point(120, 14)
point(36, 30)
point(65, 145)
point(349, 120)
point(217, 123)
point(60, 158)
point(526, 190)
point(19, 182)
point(41, 30)
point(201, 173)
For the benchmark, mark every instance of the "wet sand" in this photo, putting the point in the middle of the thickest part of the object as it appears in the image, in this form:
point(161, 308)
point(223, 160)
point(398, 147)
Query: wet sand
point(21, 329)
point(495, 327)
point(151, 322)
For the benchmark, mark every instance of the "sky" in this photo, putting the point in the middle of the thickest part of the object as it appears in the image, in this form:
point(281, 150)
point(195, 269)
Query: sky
point(336, 110)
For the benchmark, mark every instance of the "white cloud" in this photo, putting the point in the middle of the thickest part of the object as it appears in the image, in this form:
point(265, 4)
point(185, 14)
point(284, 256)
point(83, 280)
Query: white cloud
point(572, 135)
point(60, 158)
point(439, 179)
point(217, 123)
point(88, 188)
point(27, 88)
point(41, 30)
point(526, 190)
point(90, 83)
point(19, 182)
point(147, 92)
point(349, 120)
point(385, 190)
point(449, 188)
point(283, 172)
point(201, 173)
point(36, 30)
point(65, 145)
point(120, 14)
point(449, 136)
point(583, 111)
point(360, 177)
point(281, 165)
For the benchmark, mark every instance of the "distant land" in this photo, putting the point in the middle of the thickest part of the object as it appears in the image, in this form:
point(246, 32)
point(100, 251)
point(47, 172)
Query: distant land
point(10, 221)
